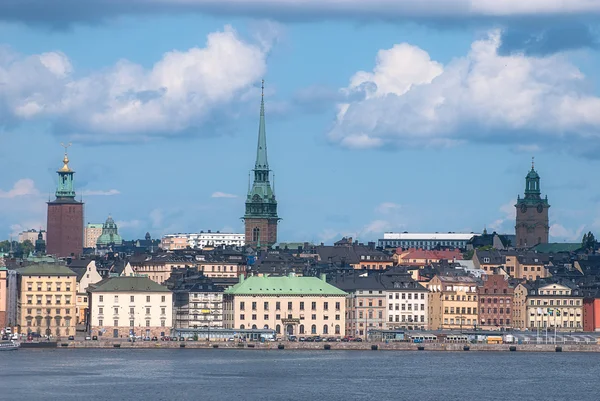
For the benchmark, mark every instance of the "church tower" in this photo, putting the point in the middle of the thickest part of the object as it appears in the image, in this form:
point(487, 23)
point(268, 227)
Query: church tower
point(64, 235)
point(261, 218)
point(532, 226)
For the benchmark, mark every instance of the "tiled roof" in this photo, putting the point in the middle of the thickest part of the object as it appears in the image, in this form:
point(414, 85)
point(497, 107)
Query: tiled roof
point(283, 286)
point(129, 284)
point(45, 269)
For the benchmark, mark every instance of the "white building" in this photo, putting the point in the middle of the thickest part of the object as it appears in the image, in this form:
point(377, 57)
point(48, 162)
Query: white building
point(425, 240)
point(201, 240)
point(92, 232)
point(123, 306)
point(31, 235)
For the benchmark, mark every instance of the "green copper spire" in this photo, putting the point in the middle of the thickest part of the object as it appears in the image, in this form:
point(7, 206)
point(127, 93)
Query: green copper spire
point(533, 193)
point(65, 189)
point(261, 149)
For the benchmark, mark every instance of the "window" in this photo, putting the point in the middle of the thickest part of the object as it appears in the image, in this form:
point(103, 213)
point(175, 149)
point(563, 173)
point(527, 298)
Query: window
point(277, 305)
point(314, 306)
point(116, 310)
point(242, 317)
point(337, 329)
point(147, 311)
point(116, 299)
point(325, 329)
point(242, 305)
point(313, 329)
point(131, 311)
point(100, 322)
point(101, 298)
point(162, 323)
point(289, 306)
point(147, 298)
point(337, 306)
point(325, 305)
point(100, 311)
point(266, 317)
point(163, 299)
point(253, 317)
point(131, 298)
point(301, 329)
point(337, 317)
point(116, 323)
point(253, 305)
point(147, 322)
point(266, 306)
point(313, 317)
point(131, 323)
point(301, 306)
point(163, 311)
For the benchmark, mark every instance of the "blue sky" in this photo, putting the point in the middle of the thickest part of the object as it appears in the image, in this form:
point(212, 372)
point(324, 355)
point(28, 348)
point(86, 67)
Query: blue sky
point(399, 117)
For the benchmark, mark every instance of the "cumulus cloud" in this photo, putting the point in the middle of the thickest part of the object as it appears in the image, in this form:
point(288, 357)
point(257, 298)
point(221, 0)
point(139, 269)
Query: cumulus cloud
point(410, 100)
point(23, 187)
point(110, 192)
point(222, 195)
point(505, 223)
point(387, 207)
point(560, 232)
point(62, 12)
point(180, 93)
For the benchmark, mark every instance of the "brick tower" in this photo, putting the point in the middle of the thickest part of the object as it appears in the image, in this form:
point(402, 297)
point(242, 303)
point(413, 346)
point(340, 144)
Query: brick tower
point(532, 225)
point(64, 235)
point(261, 218)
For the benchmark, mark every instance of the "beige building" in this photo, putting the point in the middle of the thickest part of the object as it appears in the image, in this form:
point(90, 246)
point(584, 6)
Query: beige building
point(158, 268)
point(520, 319)
point(302, 306)
point(87, 274)
point(92, 232)
point(46, 303)
point(31, 235)
point(3, 296)
point(124, 306)
point(453, 302)
point(555, 305)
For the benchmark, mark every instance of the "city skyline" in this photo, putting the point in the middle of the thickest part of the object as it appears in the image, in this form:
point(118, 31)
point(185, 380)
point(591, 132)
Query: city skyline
point(354, 141)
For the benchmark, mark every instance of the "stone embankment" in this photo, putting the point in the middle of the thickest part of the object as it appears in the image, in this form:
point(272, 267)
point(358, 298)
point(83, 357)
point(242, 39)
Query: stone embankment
point(379, 346)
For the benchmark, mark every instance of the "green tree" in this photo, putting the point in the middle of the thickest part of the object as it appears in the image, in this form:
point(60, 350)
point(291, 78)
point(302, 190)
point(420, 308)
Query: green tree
point(27, 247)
point(588, 242)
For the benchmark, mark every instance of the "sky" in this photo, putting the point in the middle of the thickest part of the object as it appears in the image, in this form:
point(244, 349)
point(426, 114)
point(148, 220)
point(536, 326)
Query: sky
point(381, 116)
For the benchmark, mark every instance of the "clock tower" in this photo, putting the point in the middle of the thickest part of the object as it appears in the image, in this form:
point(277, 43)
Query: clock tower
point(532, 225)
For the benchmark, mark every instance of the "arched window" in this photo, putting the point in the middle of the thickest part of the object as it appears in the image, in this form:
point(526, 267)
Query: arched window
point(301, 329)
point(278, 329)
point(337, 329)
point(313, 329)
point(253, 327)
point(242, 327)
point(325, 329)
point(255, 234)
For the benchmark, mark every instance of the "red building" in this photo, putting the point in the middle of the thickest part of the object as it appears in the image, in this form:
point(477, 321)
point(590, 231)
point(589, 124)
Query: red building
point(64, 235)
point(591, 313)
point(495, 302)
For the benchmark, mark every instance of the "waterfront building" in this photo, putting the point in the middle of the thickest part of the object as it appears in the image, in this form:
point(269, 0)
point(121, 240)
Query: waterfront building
point(65, 217)
point(522, 265)
point(197, 303)
point(221, 266)
point(591, 310)
point(424, 257)
point(87, 274)
point(425, 240)
point(46, 303)
point(407, 301)
point(260, 217)
point(291, 305)
point(453, 302)
point(92, 232)
point(201, 240)
point(123, 306)
point(555, 305)
point(532, 222)
point(495, 302)
point(110, 235)
point(3, 294)
point(520, 319)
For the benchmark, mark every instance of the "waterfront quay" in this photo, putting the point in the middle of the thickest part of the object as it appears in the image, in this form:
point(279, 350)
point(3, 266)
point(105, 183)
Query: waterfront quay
point(332, 346)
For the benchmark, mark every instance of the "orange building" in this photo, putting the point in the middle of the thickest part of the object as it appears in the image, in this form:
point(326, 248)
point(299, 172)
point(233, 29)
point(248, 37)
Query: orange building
point(591, 313)
point(424, 257)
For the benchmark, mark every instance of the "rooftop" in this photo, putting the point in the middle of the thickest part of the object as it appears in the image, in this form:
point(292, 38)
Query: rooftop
point(46, 269)
point(289, 285)
point(429, 236)
point(129, 284)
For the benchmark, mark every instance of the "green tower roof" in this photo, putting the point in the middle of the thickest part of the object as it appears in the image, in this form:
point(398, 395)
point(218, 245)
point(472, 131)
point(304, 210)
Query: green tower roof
point(289, 285)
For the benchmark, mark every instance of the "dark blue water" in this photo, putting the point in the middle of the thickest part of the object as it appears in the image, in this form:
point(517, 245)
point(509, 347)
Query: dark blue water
point(114, 374)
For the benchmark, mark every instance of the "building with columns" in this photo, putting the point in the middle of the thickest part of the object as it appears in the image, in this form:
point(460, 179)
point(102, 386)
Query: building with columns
point(532, 224)
point(64, 236)
point(260, 218)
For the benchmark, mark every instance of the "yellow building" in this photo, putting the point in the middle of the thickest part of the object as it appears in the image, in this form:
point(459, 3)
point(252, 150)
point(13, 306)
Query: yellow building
point(519, 312)
point(290, 305)
point(452, 302)
point(555, 305)
point(46, 303)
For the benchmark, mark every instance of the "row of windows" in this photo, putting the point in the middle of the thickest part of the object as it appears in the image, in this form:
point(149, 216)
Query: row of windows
point(313, 305)
point(496, 321)
point(301, 330)
point(494, 300)
point(495, 310)
point(57, 300)
point(544, 324)
point(406, 306)
point(163, 298)
point(555, 302)
point(163, 311)
point(464, 311)
point(38, 311)
point(460, 298)
point(459, 321)
point(131, 323)
point(409, 319)
point(407, 296)
point(278, 317)
point(57, 286)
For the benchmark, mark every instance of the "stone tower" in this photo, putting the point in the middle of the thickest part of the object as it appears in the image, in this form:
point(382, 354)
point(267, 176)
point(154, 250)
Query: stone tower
point(64, 235)
point(532, 225)
point(261, 218)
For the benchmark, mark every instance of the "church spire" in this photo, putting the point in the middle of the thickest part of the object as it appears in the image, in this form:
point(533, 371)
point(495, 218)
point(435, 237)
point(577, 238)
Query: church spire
point(65, 189)
point(261, 149)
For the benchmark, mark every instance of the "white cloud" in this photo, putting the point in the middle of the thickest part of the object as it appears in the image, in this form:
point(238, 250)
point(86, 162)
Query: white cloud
point(127, 224)
point(410, 100)
point(559, 232)
point(376, 227)
point(101, 193)
point(505, 223)
point(222, 195)
point(180, 92)
point(387, 207)
point(23, 187)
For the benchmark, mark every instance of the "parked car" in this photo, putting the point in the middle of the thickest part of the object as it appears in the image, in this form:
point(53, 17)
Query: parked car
point(95, 338)
point(292, 338)
point(146, 338)
point(302, 339)
point(357, 339)
point(71, 338)
point(88, 338)
point(317, 339)
point(331, 340)
point(154, 338)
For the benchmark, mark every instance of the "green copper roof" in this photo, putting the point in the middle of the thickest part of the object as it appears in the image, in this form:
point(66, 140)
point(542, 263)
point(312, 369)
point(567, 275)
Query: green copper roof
point(261, 149)
point(46, 269)
point(110, 234)
point(533, 194)
point(557, 247)
point(255, 285)
point(65, 189)
point(128, 284)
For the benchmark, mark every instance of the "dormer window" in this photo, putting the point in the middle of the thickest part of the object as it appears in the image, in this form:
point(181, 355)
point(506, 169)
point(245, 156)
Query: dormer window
point(486, 260)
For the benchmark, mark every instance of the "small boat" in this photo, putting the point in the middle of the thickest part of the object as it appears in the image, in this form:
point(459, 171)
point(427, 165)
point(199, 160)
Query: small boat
point(9, 345)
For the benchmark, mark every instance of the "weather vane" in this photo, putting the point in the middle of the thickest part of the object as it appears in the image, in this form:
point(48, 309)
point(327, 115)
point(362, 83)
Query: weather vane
point(65, 146)
point(532, 160)
point(262, 88)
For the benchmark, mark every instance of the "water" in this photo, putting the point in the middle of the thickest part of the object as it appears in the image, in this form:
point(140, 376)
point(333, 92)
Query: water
point(116, 374)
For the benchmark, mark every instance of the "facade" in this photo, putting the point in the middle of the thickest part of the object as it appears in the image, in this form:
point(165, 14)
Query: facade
point(422, 257)
point(524, 265)
point(110, 234)
point(124, 306)
point(425, 240)
point(520, 319)
point(407, 302)
point(495, 302)
point(532, 225)
point(555, 306)
point(291, 305)
point(453, 302)
point(158, 268)
point(201, 240)
point(591, 312)
point(46, 303)
point(31, 235)
point(65, 217)
point(3, 296)
point(197, 305)
point(85, 278)
point(92, 232)
point(260, 217)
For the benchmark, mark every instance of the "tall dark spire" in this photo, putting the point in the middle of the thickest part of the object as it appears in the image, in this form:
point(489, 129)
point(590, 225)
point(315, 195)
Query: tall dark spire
point(261, 149)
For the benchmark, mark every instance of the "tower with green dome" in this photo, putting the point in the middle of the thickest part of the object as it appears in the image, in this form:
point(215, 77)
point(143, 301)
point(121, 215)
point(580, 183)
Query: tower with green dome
point(110, 234)
point(260, 217)
point(532, 223)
